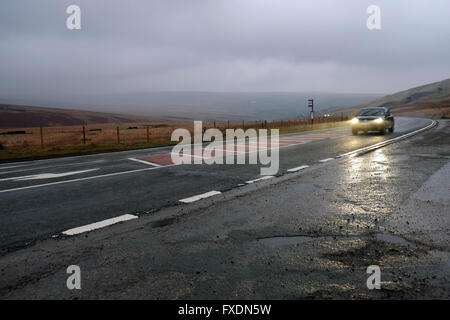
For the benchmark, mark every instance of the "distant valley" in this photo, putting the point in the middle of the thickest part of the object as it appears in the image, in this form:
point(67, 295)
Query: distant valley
point(168, 106)
point(431, 100)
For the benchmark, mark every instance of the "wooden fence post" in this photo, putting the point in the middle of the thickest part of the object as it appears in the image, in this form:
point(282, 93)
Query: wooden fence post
point(84, 135)
point(118, 135)
point(42, 136)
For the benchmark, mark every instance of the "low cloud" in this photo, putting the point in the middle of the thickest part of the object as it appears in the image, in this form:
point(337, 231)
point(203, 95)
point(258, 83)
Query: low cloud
point(221, 45)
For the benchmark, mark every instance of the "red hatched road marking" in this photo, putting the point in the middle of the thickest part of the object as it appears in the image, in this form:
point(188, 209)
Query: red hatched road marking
point(161, 159)
point(165, 159)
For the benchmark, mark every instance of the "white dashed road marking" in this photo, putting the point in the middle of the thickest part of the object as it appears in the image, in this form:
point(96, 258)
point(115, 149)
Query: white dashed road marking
point(297, 168)
point(100, 224)
point(326, 160)
point(200, 196)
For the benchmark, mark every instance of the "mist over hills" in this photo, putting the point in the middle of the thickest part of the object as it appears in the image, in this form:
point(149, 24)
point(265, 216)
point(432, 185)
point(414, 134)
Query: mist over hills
point(431, 100)
point(207, 106)
point(19, 116)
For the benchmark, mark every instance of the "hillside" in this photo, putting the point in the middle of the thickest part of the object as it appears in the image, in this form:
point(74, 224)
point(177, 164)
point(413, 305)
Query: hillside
point(431, 100)
point(18, 116)
point(206, 106)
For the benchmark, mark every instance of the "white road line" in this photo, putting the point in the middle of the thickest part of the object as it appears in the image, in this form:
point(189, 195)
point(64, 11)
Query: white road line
point(297, 168)
point(42, 176)
point(8, 172)
point(145, 162)
point(259, 179)
point(83, 179)
point(55, 166)
point(100, 224)
point(10, 167)
point(387, 142)
point(326, 160)
point(161, 148)
point(200, 196)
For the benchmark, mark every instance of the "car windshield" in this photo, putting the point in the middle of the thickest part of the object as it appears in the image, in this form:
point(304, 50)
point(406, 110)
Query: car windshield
point(371, 112)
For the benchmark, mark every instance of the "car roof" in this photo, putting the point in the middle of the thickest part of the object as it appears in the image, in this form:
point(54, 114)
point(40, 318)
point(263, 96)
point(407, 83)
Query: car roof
point(381, 108)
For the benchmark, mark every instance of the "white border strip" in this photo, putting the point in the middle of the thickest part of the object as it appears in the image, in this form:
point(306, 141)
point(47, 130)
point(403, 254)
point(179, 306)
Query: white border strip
point(100, 224)
point(83, 179)
point(145, 162)
point(200, 196)
point(387, 142)
point(42, 176)
point(10, 167)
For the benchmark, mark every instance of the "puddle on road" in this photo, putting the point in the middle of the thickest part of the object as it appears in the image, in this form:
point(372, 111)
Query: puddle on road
point(293, 240)
point(283, 241)
point(386, 237)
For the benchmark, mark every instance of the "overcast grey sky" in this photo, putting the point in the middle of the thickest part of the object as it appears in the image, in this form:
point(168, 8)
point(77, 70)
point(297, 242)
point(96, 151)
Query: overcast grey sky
point(221, 45)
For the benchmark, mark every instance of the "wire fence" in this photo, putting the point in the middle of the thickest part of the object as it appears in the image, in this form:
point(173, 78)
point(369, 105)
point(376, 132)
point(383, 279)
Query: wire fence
point(100, 134)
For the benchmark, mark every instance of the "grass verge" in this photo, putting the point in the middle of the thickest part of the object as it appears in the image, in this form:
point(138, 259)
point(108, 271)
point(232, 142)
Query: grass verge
point(317, 126)
point(32, 153)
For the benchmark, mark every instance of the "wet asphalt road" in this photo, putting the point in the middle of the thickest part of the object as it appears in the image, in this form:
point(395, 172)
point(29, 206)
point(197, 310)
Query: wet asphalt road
point(309, 234)
point(28, 215)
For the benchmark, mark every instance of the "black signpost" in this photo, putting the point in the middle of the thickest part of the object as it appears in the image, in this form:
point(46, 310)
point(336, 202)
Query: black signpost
point(311, 105)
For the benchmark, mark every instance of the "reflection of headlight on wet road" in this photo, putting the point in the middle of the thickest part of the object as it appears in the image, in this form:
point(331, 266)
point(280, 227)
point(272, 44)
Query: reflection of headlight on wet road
point(379, 120)
point(355, 120)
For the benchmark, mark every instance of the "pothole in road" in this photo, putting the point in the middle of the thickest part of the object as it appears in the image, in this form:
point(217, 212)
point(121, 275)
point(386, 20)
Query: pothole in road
point(162, 223)
point(373, 252)
point(432, 155)
point(291, 240)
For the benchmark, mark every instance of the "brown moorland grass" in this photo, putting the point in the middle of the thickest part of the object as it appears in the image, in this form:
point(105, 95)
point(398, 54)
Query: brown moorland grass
point(69, 140)
point(432, 109)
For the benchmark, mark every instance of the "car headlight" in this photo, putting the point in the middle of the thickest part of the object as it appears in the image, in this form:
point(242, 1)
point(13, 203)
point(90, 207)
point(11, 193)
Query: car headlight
point(378, 120)
point(355, 120)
